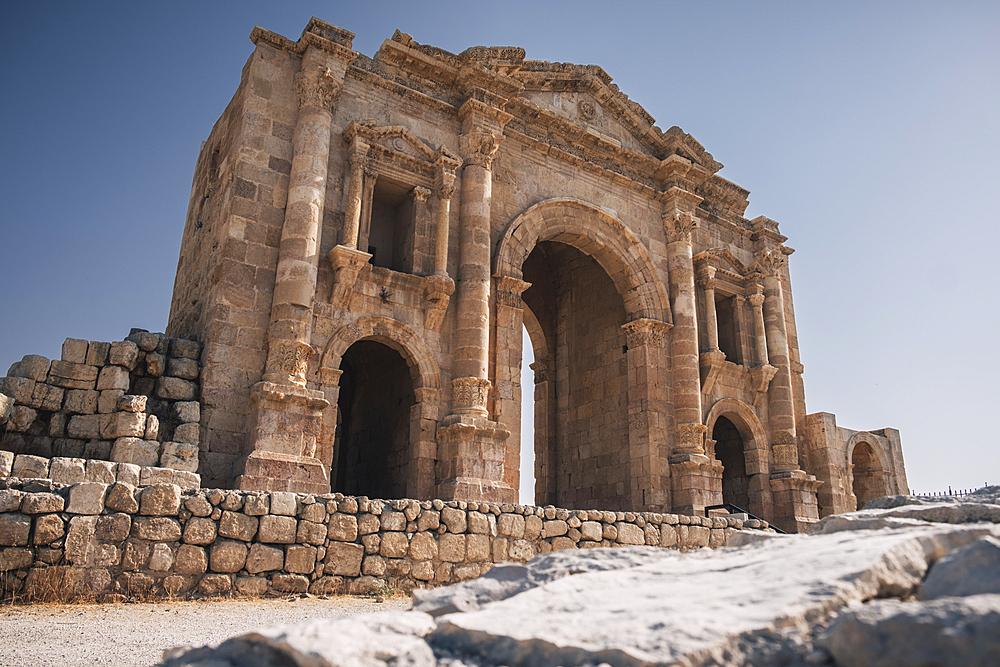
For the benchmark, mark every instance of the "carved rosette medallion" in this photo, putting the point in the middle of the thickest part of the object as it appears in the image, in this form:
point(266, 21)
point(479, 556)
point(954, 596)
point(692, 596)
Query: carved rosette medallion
point(587, 110)
point(316, 88)
point(469, 395)
point(646, 332)
point(288, 361)
point(679, 225)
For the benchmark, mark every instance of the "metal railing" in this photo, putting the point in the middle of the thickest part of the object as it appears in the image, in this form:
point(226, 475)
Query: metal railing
point(950, 492)
point(733, 509)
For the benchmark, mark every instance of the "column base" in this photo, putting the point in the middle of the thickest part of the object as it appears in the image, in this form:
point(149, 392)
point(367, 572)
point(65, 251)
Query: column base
point(795, 500)
point(286, 421)
point(696, 482)
point(471, 455)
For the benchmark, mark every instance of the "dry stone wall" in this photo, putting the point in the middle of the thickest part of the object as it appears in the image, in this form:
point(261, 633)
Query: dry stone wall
point(133, 401)
point(100, 540)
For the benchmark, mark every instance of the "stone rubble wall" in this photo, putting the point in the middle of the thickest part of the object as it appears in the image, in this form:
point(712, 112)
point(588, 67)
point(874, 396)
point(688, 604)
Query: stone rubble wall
point(133, 401)
point(100, 540)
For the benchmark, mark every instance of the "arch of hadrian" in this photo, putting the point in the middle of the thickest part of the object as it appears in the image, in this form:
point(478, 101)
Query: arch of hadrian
point(367, 236)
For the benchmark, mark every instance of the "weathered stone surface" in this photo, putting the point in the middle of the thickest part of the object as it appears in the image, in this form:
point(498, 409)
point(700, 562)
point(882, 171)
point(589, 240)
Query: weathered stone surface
point(48, 529)
point(283, 503)
point(970, 570)
point(107, 402)
point(156, 529)
point(455, 520)
point(113, 527)
point(80, 541)
point(121, 498)
point(70, 375)
point(86, 498)
point(151, 475)
point(344, 559)
point(21, 418)
point(128, 473)
point(187, 411)
point(123, 353)
point(238, 526)
point(160, 500)
point(227, 556)
point(32, 366)
point(123, 425)
point(186, 369)
point(67, 470)
point(162, 558)
point(394, 545)
point(27, 466)
point(200, 530)
point(176, 389)
point(183, 348)
point(14, 530)
point(135, 450)
point(300, 559)
point(134, 403)
point(311, 533)
point(343, 527)
point(277, 529)
point(97, 353)
point(113, 377)
point(42, 503)
point(6, 458)
point(263, 558)
point(188, 433)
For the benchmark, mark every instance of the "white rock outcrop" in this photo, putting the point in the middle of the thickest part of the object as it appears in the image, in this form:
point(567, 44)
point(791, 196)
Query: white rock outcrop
point(911, 584)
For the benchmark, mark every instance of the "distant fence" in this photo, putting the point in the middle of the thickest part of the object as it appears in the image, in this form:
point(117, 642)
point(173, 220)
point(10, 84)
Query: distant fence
point(949, 492)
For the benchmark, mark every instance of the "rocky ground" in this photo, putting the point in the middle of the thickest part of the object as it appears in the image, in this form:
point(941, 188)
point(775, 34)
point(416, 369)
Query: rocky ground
point(906, 582)
point(135, 635)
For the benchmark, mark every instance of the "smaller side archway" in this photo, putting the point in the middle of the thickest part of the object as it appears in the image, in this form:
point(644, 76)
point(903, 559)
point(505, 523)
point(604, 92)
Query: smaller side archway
point(382, 358)
point(742, 448)
point(868, 467)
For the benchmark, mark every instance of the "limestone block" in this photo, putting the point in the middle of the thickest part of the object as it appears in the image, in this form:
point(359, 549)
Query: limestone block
point(394, 545)
point(6, 463)
point(179, 456)
point(131, 403)
point(81, 401)
point(455, 519)
point(80, 541)
point(16, 559)
point(428, 520)
point(86, 498)
point(97, 449)
point(190, 559)
point(478, 523)
point(46, 397)
point(32, 366)
point(373, 566)
point(187, 411)
point(253, 586)
point(14, 530)
point(84, 427)
point(135, 450)
point(135, 554)
point(277, 529)
point(69, 375)
point(371, 543)
point(156, 528)
point(21, 418)
point(199, 530)
point(668, 535)
point(698, 536)
point(6, 403)
point(156, 364)
point(310, 532)
point(215, 584)
point(348, 506)
point(343, 559)
point(152, 431)
point(300, 559)
point(107, 401)
point(511, 525)
point(74, 350)
point(629, 533)
point(367, 524)
point(113, 527)
point(121, 498)
point(263, 558)
point(183, 348)
point(149, 342)
point(198, 505)
point(532, 527)
point(127, 473)
point(238, 526)
point(186, 369)
point(190, 433)
point(477, 548)
point(27, 466)
point(97, 353)
point(343, 528)
point(162, 558)
point(149, 475)
point(315, 513)
point(393, 521)
point(423, 546)
point(17, 388)
point(289, 583)
point(257, 504)
point(591, 530)
point(123, 425)
point(176, 389)
point(123, 353)
point(48, 529)
point(555, 528)
point(283, 503)
point(969, 570)
point(451, 548)
point(67, 470)
point(160, 500)
point(10, 500)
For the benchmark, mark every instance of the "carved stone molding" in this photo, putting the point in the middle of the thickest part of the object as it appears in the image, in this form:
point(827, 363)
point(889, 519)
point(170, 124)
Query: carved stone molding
point(287, 361)
point(317, 88)
point(509, 290)
point(689, 439)
point(711, 363)
point(543, 369)
point(437, 295)
point(646, 332)
point(346, 263)
point(760, 378)
point(469, 395)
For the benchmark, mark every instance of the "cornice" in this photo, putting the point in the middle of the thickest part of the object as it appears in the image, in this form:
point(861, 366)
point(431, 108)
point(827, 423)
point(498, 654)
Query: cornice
point(318, 34)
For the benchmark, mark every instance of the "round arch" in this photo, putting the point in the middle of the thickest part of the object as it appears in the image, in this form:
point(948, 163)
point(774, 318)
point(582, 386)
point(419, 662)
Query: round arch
point(870, 440)
point(596, 233)
point(866, 484)
point(746, 422)
point(389, 332)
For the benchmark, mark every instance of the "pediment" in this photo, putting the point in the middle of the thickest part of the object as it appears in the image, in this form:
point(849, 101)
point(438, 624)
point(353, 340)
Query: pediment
point(723, 259)
point(397, 139)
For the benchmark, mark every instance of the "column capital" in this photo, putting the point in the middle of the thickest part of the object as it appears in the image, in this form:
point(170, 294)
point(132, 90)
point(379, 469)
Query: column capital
point(421, 194)
point(480, 147)
point(317, 87)
point(757, 298)
point(469, 395)
point(287, 361)
point(646, 332)
point(770, 261)
point(444, 183)
point(509, 290)
point(678, 225)
point(543, 370)
point(706, 275)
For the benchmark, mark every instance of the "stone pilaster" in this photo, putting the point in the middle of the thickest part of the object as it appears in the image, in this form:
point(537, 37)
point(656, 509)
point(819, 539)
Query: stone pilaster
point(445, 191)
point(286, 418)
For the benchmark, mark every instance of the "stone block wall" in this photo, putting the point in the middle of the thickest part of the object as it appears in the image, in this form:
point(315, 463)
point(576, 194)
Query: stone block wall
point(104, 540)
point(133, 401)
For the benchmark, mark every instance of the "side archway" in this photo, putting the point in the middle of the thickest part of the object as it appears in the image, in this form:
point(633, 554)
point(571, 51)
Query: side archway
point(371, 360)
point(596, 233)
point(869, 468)
point(744, 447)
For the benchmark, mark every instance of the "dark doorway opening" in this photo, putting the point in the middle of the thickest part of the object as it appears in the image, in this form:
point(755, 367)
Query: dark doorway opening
point(372, 444)
point(729, 451)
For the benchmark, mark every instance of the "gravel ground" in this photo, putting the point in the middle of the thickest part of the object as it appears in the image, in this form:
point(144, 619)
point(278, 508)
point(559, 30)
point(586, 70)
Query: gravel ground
point(127, 635)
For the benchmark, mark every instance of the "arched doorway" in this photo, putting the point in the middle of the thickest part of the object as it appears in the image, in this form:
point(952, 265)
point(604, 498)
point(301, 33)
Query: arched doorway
point(729, 450)
point(869, 479)
point(579, 314)
point(372, 441)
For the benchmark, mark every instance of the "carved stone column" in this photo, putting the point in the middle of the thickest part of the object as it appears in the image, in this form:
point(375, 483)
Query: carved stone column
point(472, 447)
point(285, 418)
point(706, 279)
point(649, 449)
point(546, 463)
point(355, 191)
point(762, 374)
point(445, 191)
point(346, 259)
point(368, 192)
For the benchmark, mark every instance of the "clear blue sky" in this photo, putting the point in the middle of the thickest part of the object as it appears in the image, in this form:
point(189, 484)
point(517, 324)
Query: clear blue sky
point(869, 131)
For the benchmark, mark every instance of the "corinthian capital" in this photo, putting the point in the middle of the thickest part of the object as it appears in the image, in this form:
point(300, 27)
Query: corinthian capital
point(317, 88)
point(678, 225)
point(480, 147)
point(769, 262)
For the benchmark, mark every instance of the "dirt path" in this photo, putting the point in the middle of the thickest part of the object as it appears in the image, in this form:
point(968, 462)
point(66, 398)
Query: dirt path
point(135, 635)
